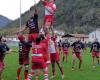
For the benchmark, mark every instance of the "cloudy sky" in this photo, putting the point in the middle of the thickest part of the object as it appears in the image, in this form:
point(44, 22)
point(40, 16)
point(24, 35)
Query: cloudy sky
point(11, 8)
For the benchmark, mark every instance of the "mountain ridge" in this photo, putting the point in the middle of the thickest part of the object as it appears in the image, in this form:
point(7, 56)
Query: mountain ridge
point(72, 16)
point(4, 21)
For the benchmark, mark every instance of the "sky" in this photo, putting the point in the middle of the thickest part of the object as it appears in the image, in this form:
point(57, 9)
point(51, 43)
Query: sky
point(11, 8)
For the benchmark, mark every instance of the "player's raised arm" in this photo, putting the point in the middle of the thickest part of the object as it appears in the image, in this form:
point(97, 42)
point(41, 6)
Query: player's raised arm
point(36, 10)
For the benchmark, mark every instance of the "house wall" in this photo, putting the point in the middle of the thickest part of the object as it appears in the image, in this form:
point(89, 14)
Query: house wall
point(93, 35)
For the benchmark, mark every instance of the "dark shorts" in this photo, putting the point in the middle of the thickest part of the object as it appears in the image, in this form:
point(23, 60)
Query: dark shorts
point(65, 52)
point(95, 54)
point(32, 36)
point(54, 57)
point(78, 55)
point(23, 61)
point(38, 65)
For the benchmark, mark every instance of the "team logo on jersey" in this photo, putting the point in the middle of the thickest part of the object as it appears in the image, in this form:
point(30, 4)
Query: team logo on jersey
point(31, 23)
point(77, 48)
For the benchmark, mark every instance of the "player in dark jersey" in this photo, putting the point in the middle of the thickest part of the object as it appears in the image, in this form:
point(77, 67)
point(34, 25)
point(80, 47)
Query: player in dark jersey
point(3, 50)
point(24, 47)
point(77, 47)
point(32, 25)
point(95, 49)
point(65, 51)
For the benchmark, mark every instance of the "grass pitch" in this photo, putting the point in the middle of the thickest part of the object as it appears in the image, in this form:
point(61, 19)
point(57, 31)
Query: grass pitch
point(87, 72)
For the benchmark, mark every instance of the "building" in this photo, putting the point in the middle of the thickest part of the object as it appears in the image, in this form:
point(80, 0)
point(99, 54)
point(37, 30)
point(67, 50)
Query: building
point(94, 35)
point(74, 37)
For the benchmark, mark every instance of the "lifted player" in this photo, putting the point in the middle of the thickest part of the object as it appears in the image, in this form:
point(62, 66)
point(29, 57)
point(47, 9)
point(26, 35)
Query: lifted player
point(77, 47)
point(24, 47)
point(95, 49)
point(50, 8)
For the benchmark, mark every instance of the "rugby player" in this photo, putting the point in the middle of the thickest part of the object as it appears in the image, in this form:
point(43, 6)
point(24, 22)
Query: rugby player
point(95, 51)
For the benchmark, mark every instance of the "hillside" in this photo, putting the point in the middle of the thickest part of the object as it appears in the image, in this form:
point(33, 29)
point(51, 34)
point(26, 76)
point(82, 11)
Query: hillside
point(81, 16)
point(4, 21)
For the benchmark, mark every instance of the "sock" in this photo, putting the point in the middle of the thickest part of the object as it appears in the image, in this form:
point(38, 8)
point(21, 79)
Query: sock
point(25, 74)
point(18, 72)
point(30, 75)
point(46, 75)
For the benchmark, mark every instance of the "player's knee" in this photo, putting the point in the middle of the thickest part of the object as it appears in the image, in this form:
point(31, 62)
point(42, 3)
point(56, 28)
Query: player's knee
point(46, 68)
point(74, 56)
point(58, 62)
point(74, 59)
point(26, 67)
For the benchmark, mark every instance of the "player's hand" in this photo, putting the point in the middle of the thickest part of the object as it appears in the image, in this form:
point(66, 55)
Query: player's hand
point(18, 32)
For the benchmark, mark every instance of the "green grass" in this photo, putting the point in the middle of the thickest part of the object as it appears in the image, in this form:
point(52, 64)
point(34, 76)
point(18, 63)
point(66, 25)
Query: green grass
point(88, 73)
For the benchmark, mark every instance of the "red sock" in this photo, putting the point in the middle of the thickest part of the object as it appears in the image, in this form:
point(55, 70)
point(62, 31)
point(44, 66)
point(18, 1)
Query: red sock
point(18, 72)
point(25, 74)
